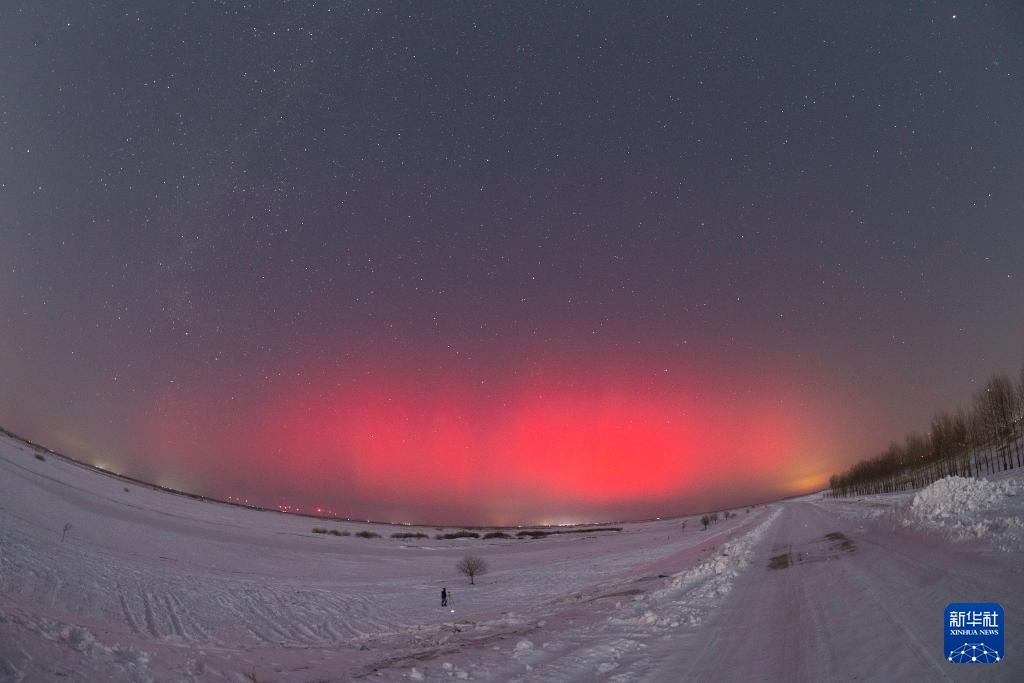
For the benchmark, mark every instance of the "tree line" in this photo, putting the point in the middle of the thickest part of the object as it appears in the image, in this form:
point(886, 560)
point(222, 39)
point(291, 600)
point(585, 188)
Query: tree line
point(982, 439)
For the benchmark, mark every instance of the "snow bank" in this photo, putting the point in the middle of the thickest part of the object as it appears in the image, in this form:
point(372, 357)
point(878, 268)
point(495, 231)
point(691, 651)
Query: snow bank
point(689, 595)
point(95, 659)
point(970, 509)
point(955, 496)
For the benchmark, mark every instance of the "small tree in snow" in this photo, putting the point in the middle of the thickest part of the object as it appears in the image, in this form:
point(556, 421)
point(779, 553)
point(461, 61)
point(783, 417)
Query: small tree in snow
point(470, 566)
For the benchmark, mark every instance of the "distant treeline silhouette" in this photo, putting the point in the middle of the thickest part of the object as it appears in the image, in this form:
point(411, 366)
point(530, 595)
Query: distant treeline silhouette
point(981, 440)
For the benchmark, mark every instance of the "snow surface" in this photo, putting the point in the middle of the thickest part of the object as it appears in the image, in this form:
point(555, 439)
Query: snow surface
point(151, 586)
point(971, 508)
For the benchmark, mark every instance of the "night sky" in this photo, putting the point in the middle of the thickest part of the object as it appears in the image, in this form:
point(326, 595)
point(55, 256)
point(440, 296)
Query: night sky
point(504, 262)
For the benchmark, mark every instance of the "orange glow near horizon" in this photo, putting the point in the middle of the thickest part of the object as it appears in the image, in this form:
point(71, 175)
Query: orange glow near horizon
point(809, 483)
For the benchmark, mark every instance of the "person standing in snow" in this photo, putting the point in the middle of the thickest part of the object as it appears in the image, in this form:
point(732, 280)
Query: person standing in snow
point(444, 597)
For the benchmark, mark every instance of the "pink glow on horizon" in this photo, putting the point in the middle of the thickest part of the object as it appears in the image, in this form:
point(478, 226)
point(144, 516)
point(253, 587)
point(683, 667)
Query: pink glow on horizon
point(533, 448)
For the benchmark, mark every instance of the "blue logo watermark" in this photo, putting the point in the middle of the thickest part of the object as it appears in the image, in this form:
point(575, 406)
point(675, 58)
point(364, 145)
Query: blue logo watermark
point(974, 633)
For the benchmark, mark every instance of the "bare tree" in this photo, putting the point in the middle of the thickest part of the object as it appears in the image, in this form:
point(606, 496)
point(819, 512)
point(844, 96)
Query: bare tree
point(1007, 408)
point(997, 404)
point(470, 566)
point(1020, 388)
point(978, 433)
point(1019, 422)
point(959, 442)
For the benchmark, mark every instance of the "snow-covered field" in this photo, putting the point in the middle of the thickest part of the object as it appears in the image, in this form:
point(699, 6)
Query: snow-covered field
point(150, 586)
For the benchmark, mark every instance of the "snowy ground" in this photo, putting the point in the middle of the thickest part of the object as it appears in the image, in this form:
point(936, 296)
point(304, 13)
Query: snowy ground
point(149, 586)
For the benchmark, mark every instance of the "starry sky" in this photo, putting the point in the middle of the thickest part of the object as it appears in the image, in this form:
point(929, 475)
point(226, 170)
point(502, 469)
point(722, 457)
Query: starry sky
point(504, 262)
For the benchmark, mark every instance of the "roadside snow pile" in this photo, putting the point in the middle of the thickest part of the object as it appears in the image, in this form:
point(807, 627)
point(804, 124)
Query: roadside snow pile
point(971, 509)
point(954, 496)
point(117, 662)
point(689, 595)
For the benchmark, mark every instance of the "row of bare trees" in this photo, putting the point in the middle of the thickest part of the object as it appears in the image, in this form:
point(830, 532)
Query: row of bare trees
point(981, 440)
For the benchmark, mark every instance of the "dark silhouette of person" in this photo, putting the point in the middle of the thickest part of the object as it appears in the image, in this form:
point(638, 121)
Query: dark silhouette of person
point(444, 597)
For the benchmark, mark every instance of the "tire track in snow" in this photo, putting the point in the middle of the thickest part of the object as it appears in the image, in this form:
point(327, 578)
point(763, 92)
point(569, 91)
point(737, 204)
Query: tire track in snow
point(150, 618)
point(925, 655)
point(132, 624)
point(820, 624)
point(248, 607)
point(175, 621)
point(196, 631)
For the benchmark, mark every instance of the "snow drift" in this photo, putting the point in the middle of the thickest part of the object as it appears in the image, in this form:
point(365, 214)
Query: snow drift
point(969, 509)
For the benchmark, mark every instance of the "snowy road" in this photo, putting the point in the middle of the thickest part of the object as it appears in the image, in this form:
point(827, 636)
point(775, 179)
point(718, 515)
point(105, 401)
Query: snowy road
point(149, 586)
point(835, 596)
point(831, 592)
